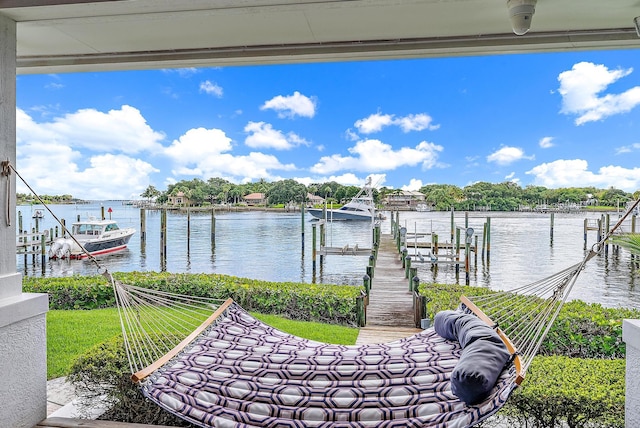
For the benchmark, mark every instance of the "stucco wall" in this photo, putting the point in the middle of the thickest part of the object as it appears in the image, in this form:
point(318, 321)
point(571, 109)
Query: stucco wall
point(23, 362)
point(631, 336)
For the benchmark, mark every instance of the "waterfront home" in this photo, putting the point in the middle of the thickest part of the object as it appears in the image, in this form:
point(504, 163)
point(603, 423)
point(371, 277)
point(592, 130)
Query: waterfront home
point(407, 199)
point(313, 200)
point(253, 199)
point(179, 200)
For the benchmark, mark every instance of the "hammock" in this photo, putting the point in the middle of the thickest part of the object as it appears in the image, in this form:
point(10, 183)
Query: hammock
point(235, 371)
point(214, 365)
point(240, 372)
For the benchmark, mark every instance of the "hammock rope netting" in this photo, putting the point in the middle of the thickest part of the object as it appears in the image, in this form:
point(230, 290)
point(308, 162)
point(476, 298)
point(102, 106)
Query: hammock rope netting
point(211, 363)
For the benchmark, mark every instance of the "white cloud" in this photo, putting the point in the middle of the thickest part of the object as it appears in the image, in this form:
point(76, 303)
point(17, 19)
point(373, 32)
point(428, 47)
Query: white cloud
point(291, 106)
point(374, 155)
point(51, 158)
point(512, 178)
point(414, 185)
point(507, 155)
point(575, 173)
point(350, 135)
point(628, 149)
point(373, 123)
point(107, 176)
point(416, 122)
point(581, 87)
point(347, 179)
point(262, 135)
point(203, 152)
point(546, 142)
point(124, 130)
point(377, 121)
point(198, 143)
point(182, 72)
point(211, 88)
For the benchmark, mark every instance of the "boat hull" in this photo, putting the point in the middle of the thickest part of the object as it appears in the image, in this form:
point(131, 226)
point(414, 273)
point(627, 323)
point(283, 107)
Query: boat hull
point(100, 247)
point(81, 249)
point(339, 215)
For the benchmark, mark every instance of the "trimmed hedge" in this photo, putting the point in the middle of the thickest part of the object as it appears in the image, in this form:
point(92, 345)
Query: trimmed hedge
point(572, 391)
point(333, 304)
point(582, 330)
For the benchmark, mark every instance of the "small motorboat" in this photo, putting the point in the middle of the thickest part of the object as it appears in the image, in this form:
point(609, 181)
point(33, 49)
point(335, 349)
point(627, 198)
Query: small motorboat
point(94, 237)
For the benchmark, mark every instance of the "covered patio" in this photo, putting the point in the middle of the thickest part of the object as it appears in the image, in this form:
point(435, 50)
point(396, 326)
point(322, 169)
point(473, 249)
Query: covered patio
point(61, 36)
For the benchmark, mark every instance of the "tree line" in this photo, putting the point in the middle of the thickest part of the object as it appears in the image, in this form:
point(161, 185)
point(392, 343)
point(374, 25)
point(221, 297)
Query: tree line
point(506, 196)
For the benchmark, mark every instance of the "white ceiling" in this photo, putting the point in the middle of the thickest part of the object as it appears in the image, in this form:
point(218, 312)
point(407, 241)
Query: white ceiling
point(76, 35)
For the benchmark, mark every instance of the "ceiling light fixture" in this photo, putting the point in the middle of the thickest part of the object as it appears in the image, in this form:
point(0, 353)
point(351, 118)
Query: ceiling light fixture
point(521, 12)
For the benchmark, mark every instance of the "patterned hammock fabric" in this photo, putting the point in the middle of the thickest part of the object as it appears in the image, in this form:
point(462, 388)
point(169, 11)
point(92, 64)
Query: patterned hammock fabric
point(243, 373)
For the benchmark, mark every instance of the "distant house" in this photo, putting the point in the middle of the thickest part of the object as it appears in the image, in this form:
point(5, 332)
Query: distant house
point(314, 200)
point(254, 199)
point(179, 200)
point(404, 198)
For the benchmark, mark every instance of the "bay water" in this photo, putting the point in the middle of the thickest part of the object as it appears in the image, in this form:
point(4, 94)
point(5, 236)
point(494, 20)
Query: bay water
point(277, 246)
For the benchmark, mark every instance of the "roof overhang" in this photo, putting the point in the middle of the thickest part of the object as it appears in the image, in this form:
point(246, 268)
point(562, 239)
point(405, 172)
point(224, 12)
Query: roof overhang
point(77, 35)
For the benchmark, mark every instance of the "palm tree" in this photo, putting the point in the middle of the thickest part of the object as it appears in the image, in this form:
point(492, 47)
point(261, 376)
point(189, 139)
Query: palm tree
point(630, 241)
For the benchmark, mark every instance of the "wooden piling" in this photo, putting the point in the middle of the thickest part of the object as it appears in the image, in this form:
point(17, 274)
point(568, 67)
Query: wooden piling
point(102, 212)
point(302, 222)
point(475, 252)
point(585, 228)
point(322, 239)
point(188, 231)
point(143, 225)
point(163, 238)
point(413, 273)
point(213, 228)
point(453, 226)
point(43, 247)
point(467, 248)
point(488, 239)
point(606, 230)
point(313, 248)
point(457, 251)
point(484, 239)
point(551, 227)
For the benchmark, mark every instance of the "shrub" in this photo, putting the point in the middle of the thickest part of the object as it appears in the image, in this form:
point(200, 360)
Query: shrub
point(333, 304)
point(572, 392)
point(103, 374)
point(582, 330)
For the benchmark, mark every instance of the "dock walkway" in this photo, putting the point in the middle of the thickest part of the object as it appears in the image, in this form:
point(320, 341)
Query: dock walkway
point(390, 309)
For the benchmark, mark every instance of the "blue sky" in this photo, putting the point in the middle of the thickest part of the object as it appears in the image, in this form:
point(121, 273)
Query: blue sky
point(556, 120)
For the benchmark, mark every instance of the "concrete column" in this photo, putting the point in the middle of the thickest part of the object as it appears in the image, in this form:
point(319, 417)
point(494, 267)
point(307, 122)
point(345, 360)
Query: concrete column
point(23, 347)
point(631, 336)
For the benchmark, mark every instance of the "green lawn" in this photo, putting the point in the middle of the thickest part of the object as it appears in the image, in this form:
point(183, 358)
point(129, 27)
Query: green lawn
point(71, 333)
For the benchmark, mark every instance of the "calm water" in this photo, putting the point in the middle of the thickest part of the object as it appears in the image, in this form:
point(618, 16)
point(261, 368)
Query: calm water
point(268, 246)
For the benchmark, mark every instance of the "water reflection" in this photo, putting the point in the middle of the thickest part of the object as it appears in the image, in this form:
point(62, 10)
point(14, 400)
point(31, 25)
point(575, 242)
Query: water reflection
point(275, 247)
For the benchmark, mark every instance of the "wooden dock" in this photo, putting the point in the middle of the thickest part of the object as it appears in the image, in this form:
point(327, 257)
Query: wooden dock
point(390, 309)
